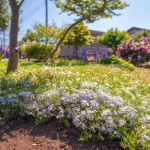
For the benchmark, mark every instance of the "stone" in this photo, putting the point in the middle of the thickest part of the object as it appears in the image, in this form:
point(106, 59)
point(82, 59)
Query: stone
point(62, 145)
point(12, 123)
point(7, 128)
point(20, 121)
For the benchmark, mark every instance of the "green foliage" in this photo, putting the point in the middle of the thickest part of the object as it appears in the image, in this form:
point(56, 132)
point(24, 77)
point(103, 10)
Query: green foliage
point(109, 60)
point(63, 62)
point(78, 62)
point(33, 41)
point(4, 15)
point(37, 51)
point(30, 36)
point(40, 33)
point(131, 140)
point(1, 57)
point(79, 36)
point(115, 60)
point(66, 62)
point(137, 36)
point(112, 38)
point(90, 10)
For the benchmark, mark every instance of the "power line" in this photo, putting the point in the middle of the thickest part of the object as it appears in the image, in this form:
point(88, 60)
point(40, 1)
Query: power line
point(32, 12)
point(34, 9)
point(30, 3)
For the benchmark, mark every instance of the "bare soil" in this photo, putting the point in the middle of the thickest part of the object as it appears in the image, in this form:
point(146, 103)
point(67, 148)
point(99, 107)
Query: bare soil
point(20, 135)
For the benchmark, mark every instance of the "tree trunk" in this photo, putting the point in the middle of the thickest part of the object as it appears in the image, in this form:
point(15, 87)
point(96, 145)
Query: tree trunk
point(13, 37)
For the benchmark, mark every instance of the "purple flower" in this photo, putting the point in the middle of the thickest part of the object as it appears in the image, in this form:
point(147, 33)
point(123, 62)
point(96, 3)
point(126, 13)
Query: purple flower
point(7, 51)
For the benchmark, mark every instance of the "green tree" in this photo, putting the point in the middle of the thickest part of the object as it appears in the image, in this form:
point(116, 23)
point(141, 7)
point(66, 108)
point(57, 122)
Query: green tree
point(79, 36)
point(40, 37)
point(30, 36)
point(112, 38)
point(87, 10)
point(48, 35)
point(4, 15)
point(45, 35)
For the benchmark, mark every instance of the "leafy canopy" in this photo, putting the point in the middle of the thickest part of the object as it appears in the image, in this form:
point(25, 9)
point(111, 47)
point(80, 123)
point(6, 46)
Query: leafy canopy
point(4, 15)
point(79, 35)
point(40, 33)
point(113, 37)
point(91, 10)
point(34, 41)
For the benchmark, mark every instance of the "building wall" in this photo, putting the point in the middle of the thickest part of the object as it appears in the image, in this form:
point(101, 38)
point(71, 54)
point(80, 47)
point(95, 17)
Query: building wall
point(68, 51)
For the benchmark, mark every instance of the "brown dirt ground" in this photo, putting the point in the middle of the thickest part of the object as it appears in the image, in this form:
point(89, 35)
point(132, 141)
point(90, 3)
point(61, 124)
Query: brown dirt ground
point(47, 136)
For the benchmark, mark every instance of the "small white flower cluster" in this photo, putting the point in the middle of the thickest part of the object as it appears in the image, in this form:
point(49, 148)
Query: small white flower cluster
point(2, 100)
point(90, 109)
point(12, 99)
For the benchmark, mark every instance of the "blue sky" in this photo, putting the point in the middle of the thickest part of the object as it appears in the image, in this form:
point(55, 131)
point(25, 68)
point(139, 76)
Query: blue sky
point(136, 15)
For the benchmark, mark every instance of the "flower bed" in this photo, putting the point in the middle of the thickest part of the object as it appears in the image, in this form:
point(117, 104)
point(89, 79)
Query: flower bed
point(104, 102)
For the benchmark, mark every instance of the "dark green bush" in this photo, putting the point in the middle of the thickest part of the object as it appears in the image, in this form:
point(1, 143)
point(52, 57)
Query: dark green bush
point(109, 60)
point(78, 62)
point(67, 62)
point(37, 51)
point(63, 62)
point(115, 60)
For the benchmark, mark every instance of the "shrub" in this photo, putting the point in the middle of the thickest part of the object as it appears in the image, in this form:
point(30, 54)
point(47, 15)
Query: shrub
point(78, 62)
point(37, 51)
point(66, 62)
point(137, 36)
point(109, 60)
point(115, 60)
point(135, 52)
point(112, 38)
point(63, 62)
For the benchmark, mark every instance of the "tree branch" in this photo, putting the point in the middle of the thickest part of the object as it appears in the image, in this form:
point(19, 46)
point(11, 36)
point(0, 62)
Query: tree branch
point(21, 3)
point(96, 12)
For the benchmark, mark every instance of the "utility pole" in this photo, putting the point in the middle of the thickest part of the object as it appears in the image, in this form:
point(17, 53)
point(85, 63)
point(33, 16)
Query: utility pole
point(46, 4)
point(4, 42)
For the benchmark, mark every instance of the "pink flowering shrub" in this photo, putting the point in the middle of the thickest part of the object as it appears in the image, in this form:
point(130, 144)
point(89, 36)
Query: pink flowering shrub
point(135, 52)
point(142, 33)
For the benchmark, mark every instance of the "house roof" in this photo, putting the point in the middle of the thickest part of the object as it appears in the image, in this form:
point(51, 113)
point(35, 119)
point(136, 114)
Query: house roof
point(95, 31)
point(136, 28)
